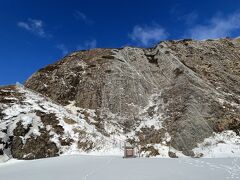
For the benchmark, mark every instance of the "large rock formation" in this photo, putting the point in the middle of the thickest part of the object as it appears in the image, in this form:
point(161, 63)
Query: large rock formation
point(165, 99)
point(191, 87)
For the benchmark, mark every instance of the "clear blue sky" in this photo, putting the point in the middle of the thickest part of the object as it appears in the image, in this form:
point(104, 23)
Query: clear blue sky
point(36, 33)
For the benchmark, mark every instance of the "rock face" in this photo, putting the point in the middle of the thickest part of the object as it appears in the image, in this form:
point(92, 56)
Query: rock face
point(191, 87)
point(166, 100)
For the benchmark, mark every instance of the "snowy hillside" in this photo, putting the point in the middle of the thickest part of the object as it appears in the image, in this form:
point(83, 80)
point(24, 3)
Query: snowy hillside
point(32, 126)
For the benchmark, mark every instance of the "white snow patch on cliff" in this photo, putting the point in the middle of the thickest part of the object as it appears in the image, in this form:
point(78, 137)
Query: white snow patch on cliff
point(225, 144)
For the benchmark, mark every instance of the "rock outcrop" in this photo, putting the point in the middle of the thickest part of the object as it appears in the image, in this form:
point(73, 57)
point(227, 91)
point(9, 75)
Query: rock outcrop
point(165, 100)
point(33, 126)
point(195, 85)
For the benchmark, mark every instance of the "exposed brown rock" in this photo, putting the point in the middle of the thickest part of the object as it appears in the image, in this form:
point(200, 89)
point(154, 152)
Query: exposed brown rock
point(20, 130)
point(150, 136)
point(150, 150)
point(172, 154)
point(69, 121)
point(51, 119)
point(34, 148)
point(66, 142)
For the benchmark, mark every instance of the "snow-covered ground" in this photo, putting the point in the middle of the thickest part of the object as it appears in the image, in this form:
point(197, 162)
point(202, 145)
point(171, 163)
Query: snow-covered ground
point(111, 167)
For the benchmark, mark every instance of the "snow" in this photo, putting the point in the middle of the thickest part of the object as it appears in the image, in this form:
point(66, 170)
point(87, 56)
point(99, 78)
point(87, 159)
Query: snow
point(25, 113)
point(225, 144)
point(26, 120)
point(44, 104)
point(112, 167)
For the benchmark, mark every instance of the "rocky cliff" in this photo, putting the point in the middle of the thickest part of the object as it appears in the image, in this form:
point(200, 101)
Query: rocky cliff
point(174, 95)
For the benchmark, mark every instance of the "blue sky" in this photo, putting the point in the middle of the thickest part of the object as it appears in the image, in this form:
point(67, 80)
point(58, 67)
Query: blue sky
point(34, 34)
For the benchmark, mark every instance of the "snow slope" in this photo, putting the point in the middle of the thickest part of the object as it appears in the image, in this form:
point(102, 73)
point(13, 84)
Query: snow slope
point(112, 167)
point(29, 115)
point(225, 144)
